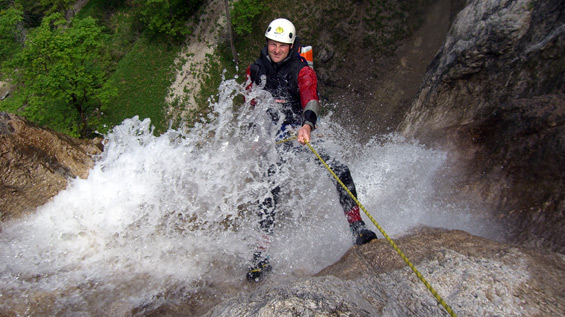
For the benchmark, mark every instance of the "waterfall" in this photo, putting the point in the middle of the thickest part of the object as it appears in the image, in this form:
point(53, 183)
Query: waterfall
point(177, 213)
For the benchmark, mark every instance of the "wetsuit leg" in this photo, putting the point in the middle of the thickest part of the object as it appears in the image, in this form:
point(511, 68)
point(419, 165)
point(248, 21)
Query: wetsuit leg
point(350, 207)
point(268, 207)
point(267, 211)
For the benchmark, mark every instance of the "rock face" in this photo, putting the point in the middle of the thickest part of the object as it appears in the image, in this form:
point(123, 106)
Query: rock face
point(36, 163)
point(494, 98)
point(475, 276)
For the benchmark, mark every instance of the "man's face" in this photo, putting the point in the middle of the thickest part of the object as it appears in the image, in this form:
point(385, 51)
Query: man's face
point(277, 51)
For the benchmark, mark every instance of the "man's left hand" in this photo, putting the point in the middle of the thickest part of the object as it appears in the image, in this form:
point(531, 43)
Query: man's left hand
point(304, 134)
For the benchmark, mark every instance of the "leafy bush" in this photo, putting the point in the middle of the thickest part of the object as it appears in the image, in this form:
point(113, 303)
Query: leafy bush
point(244, 14)
point(167, 17)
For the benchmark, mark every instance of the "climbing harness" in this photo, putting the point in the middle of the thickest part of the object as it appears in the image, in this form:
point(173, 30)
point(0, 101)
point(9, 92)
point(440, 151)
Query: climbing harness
point(418, 274)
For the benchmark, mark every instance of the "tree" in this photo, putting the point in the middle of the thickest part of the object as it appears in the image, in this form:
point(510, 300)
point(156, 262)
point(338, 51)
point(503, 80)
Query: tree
point(63, 71)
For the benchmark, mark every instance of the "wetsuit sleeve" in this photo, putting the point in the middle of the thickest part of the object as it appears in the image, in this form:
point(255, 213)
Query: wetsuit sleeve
point(308, 87)
point(248, 87)
point(248, 77)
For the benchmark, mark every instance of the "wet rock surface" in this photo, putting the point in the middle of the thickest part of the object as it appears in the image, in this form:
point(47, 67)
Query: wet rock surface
point(493, 97)
point(36, 163)
point(473, 275)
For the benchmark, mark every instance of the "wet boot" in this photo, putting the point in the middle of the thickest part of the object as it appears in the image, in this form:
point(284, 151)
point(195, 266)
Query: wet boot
point(361, 234)
point(260, 266)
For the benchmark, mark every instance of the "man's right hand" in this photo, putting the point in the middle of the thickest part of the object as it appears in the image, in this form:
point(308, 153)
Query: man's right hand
point(304, 134)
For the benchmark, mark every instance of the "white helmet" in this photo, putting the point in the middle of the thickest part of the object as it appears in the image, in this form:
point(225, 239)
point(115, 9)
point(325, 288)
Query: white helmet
point(281, 30)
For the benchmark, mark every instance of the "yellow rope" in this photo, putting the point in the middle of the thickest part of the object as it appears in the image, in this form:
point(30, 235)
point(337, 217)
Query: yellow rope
point(285, 140)
point(418, 274)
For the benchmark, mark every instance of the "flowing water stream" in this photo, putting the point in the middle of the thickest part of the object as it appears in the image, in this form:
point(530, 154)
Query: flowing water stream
point(176, 213)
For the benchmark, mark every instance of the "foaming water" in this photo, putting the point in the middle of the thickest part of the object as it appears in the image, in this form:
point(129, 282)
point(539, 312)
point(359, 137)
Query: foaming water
point(177, 212)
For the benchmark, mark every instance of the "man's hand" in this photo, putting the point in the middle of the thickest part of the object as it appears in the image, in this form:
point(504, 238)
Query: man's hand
point(304, 134)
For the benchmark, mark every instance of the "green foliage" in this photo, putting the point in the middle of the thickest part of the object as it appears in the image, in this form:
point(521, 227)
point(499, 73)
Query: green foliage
point(9, 35)
point(52, 6)
point(167, 17)
point(64, 74)
point(244, 15)
point(118, 18)
point(34, 11)
point(142, 78)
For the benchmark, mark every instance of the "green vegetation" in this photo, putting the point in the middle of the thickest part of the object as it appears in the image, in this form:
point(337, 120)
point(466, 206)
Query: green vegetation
point(244, 13)
point(143, 77)
point(63, 74)
point(91, 72)
point(167, 17)
point(9, 35)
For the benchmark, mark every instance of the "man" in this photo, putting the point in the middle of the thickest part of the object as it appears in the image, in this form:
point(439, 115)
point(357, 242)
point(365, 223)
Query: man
point(294, 86)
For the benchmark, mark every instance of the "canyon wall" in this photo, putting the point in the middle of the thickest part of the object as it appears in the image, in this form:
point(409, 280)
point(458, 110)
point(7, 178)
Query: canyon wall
point(494, 98)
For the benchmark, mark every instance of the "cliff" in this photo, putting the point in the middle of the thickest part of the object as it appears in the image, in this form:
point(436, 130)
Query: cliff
point(493, 97)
